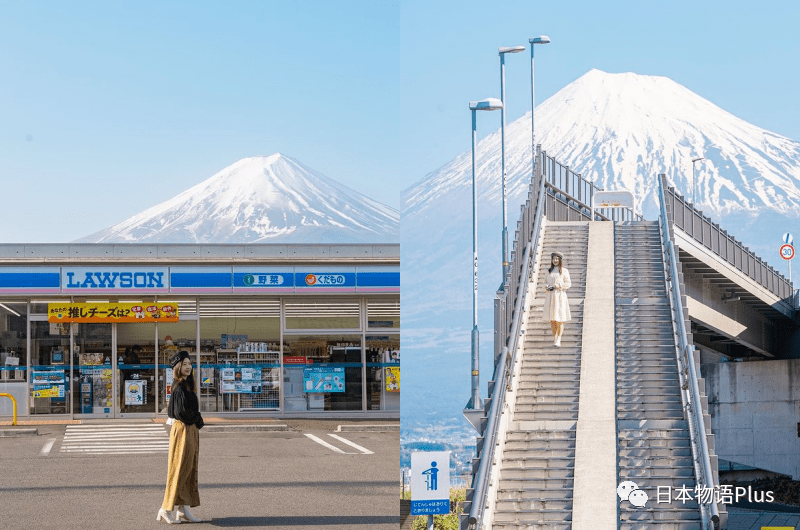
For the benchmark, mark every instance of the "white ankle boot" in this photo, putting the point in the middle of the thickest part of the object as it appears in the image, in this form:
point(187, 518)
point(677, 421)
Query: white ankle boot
point(557, 342)
point(169, 517)
point(185, 515)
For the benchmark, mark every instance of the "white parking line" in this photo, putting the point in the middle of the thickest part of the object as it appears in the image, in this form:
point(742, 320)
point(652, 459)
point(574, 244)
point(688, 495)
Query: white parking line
point(46, 449)
point(326, 444)
point(351, 444)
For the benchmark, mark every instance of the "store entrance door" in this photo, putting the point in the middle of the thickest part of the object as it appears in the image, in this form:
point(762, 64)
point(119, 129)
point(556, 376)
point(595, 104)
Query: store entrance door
point(94, 366)
point(136, 369)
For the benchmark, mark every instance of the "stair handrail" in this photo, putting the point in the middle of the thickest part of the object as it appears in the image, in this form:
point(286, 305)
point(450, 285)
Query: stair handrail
point(506, 361)
point(697, 431)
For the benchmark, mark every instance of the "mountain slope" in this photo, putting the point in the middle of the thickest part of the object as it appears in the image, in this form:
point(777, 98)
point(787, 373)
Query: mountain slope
point(622, 130)
point(261, 199)
point(619, 130)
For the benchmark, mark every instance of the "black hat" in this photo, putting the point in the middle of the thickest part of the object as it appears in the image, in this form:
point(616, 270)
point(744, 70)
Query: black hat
point(178, 357)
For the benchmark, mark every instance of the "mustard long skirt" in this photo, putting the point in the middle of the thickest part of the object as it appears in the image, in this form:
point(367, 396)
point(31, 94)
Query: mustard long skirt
point(184, 448)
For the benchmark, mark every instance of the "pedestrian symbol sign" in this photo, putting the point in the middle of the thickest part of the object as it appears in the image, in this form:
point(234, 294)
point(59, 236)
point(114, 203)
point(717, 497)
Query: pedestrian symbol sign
point(430, 482)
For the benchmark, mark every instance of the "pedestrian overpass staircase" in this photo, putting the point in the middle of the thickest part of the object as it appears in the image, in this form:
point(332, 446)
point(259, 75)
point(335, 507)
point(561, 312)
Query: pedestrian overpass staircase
point(556, 461)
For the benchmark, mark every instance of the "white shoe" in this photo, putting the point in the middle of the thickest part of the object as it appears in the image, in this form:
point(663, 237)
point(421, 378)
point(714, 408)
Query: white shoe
point(557, 343)
point(169, 517)
point(185, 515)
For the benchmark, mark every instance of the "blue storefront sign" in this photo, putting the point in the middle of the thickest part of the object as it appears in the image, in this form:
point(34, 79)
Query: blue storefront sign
point(165, 280)
point(114, 279)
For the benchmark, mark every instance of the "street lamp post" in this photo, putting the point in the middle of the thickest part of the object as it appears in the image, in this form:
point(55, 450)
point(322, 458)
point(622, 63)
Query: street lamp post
point(694, 178)
point(541, 39)
point(484, 104)
point(502, 52)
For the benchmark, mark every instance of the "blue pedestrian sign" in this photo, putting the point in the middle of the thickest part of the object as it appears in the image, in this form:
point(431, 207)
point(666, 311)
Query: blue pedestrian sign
point(430, 482)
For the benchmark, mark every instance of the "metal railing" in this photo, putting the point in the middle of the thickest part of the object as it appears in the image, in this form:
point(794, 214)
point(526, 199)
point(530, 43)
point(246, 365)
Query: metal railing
point(710, 235)
point(520, 267)
point(690, 392)
point(13, 405)
point(570, 196)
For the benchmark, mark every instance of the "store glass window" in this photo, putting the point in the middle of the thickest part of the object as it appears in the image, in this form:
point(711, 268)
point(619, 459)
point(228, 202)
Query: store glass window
point(383, 313)
point(93, 372)
point(240, 355)
point(136, 354)
point(39, 307)
point(13, 343)
point(13, 356)
point(172, 338)
point(383, 372)
point(322, 372)
point(318, 314)
point(49, 368)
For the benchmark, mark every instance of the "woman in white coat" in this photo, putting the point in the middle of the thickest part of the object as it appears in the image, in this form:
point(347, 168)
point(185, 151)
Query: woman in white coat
point(556, 305)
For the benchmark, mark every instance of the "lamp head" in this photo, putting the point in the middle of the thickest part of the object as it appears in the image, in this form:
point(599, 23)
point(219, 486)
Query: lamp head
point(696, 159)
point(511, 49)
point(486, 104)
point(541, 39)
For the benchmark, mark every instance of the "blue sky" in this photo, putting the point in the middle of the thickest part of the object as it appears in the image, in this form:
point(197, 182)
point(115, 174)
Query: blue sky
point(107, 108)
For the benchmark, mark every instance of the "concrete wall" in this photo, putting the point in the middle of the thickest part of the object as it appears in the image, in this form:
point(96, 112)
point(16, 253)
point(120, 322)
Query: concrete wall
point(755, 411)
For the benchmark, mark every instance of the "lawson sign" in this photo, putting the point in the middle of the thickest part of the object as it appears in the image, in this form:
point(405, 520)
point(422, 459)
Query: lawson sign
point(115, 279)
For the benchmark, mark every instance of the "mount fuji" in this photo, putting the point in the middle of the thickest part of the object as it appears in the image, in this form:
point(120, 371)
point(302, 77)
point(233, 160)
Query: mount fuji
point(262, 199)
point(618, 130)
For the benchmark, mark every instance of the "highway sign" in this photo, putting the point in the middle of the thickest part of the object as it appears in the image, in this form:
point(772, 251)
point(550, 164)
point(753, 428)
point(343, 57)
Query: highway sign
point(788, 239)
point(787, 252)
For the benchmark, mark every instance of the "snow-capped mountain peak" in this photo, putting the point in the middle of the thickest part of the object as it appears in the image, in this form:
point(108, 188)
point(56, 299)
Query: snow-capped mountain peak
point(261, 199)
point(622, 130)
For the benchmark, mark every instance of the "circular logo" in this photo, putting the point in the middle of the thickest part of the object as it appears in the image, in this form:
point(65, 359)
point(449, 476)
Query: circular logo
point(787, 252)
point(249, 279)
point(311, 279)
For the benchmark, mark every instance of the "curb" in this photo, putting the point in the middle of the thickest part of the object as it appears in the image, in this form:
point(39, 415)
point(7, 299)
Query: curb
point(368, 428)
point(7, 433)
point(245, 428)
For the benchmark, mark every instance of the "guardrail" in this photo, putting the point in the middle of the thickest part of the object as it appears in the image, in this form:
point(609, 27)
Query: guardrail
point(709, 234)
point(13, 405)
point(520, 267)
point(690, 392)
point(570, 196)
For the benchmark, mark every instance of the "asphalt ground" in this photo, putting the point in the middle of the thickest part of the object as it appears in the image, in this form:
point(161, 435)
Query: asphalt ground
point(255, 479)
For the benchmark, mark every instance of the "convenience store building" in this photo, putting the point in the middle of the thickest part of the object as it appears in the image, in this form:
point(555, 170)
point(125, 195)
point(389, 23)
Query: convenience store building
point(276, 330)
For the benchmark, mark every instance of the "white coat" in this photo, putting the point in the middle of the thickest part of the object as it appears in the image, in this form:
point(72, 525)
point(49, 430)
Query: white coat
point(556, 305)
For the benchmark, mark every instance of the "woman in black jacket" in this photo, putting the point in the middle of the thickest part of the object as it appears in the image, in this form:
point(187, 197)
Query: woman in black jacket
point(184, 444)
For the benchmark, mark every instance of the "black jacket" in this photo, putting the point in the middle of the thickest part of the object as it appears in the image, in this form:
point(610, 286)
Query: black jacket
point(183, 405)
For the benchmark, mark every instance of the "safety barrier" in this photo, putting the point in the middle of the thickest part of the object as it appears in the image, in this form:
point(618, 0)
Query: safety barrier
point(701, 457)
point(709, 234)
point(13, 405)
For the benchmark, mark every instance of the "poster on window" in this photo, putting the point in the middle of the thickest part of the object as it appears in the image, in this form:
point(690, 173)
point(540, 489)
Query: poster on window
point(48, 384)
point(135, 391)
point(393, 379)
point(240, 380)
point(323, 379)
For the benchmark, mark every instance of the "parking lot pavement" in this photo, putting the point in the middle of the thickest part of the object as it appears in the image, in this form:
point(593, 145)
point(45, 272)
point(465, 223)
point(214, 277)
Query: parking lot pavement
point(248, 479)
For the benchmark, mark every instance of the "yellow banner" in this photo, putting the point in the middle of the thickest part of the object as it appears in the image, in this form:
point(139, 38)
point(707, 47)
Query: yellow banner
point(52, 392)
point(113, 312)
point(393, 379)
